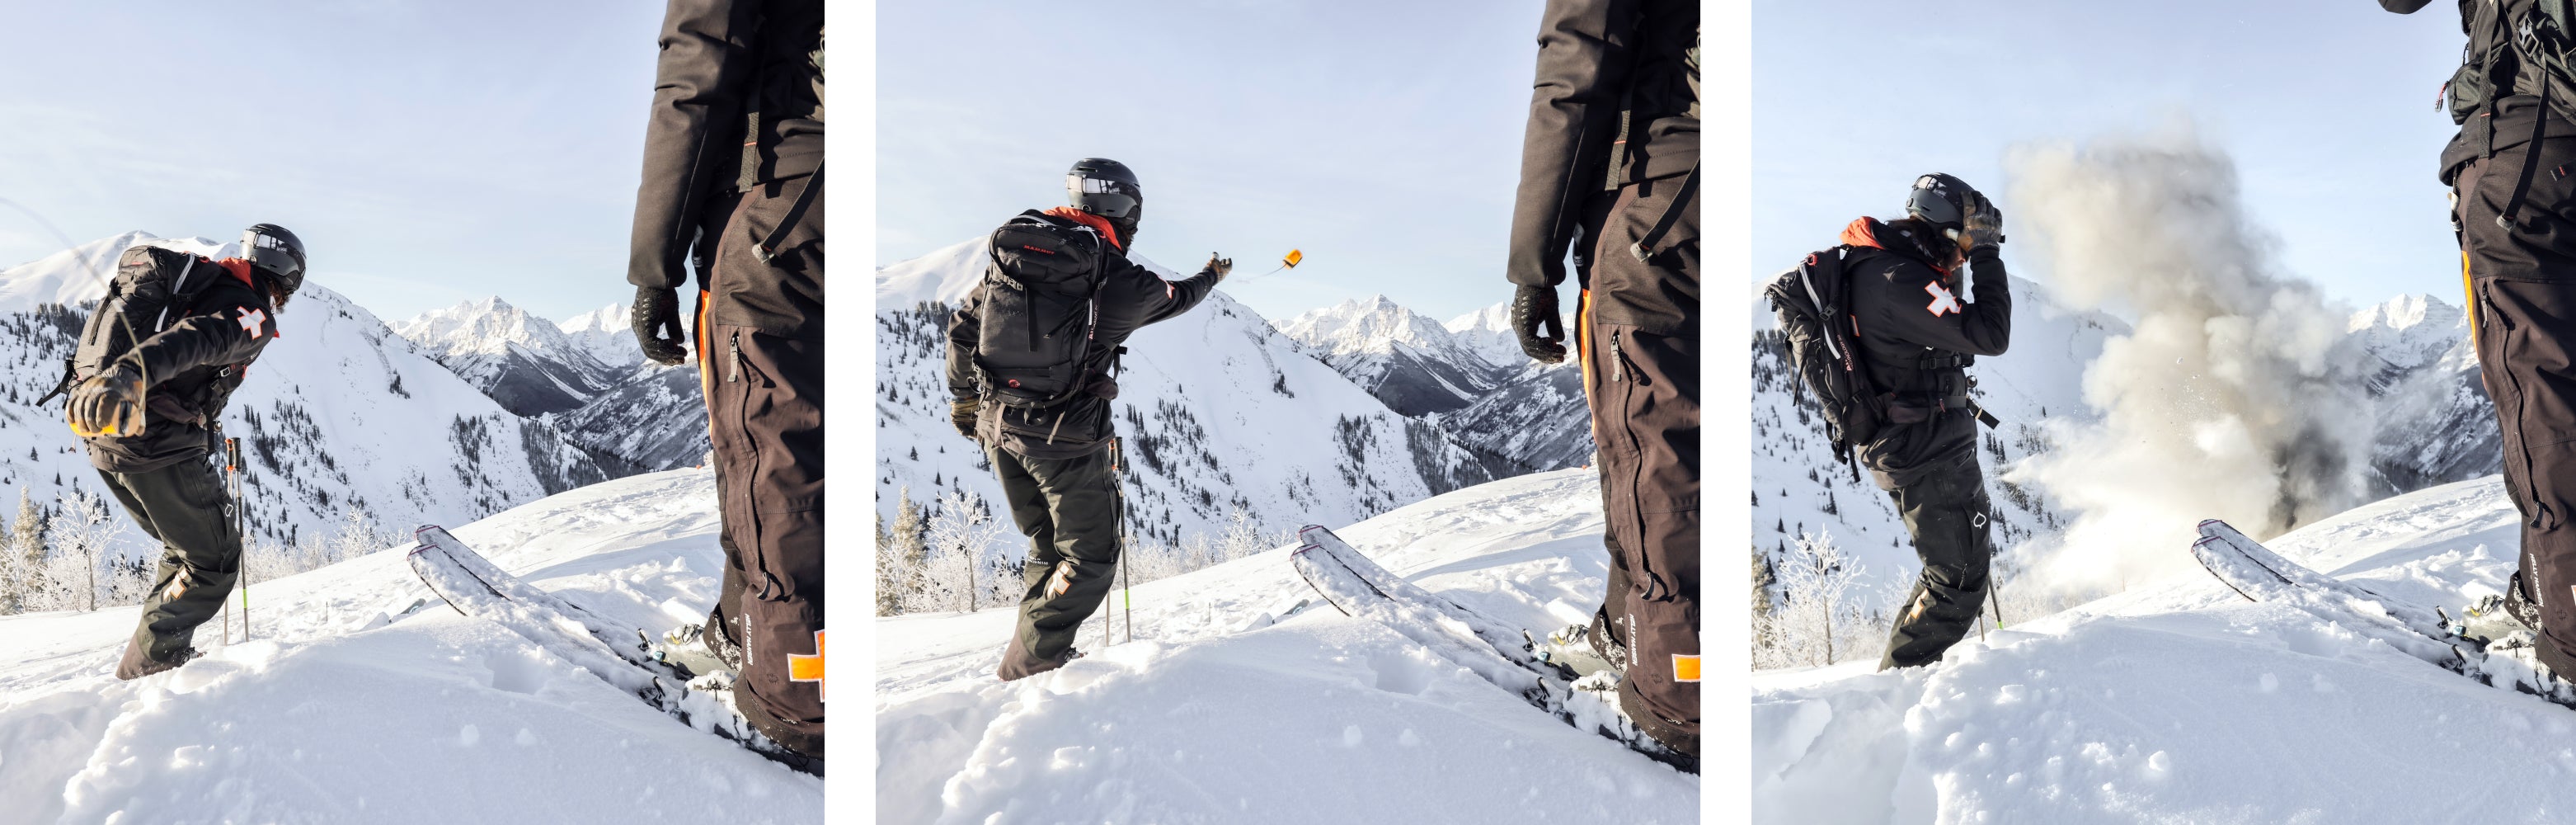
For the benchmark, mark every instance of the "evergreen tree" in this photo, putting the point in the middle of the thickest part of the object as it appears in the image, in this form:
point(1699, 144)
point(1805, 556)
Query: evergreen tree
point(898, 575)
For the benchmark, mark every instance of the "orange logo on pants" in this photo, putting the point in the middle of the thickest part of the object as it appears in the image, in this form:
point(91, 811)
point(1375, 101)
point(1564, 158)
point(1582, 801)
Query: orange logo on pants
point(810, 668)
point(1685, 668)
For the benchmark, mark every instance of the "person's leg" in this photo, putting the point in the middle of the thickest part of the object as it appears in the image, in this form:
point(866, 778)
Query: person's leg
point(184, 506)
point(1947, 512)
point(1028, 505)
point(1641, 356)
point(1082, 501)
point(765, 419)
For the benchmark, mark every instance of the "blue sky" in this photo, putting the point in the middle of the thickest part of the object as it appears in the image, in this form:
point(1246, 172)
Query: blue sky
point(427, 152)
point(2327, 109)
point(1381, 139)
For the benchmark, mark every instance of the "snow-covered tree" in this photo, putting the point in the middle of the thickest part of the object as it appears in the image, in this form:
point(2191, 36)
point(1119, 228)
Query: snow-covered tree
point(82, 532)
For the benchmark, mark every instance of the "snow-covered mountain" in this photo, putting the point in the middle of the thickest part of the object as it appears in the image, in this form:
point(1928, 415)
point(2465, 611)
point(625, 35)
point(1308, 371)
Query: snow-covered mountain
point(339, 413)
point(523, 361)
point(2180, 701)
point(2437, 424)
point(1533, 419)
point(363, 698)
point(1408, 361)
point(1244, 698)
point(1218, 410)
point(1468, 376)
point(608, 335)
point(1488, 333)
point(655, 418)
point(588, 374)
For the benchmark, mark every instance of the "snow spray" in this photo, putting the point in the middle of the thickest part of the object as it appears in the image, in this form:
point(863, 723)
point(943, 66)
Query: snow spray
point(2234, 397)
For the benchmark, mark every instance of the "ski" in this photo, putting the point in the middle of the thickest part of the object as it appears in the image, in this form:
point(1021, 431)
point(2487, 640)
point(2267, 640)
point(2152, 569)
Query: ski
point(1493, 650)
point(475, 587)
point(2260, 575)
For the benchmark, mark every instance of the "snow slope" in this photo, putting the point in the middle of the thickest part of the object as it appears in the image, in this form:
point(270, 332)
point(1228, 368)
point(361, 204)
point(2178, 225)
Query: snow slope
point(2179, 701)
point(339, 412)
point(363, 698)
point(1230, 706)
point(1218, 411)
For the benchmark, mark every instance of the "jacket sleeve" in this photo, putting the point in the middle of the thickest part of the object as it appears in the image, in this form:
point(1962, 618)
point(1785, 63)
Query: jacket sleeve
point(964, 327)
point(692, 136)
point(1583, 57)
point(1175, 297)
point(1925, 313)
point(234, 334)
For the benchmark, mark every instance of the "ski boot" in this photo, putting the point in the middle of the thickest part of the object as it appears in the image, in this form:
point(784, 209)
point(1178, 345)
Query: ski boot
point(1585, 649)
point(1595, 702)
point(2508, 618)
point(688, 648)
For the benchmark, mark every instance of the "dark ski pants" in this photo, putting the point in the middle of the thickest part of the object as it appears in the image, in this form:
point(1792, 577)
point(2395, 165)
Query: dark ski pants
point(184, 507)
point(1945, 508)
point(1640, 350)
point(1069, 510)
point(2522, 296)
point(764, 391)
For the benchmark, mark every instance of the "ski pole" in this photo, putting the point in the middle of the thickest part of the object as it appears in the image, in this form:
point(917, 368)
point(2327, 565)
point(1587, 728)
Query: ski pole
point(241, 523)
point(1126, 593)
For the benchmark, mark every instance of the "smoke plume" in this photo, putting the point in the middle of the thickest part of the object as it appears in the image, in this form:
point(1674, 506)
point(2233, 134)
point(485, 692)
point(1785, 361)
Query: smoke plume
point(2233, 397)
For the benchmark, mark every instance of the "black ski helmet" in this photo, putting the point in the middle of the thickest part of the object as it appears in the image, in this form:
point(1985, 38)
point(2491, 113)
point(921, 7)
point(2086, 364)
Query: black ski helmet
point(1103, 187)
point(1940, 200)
point(276, 252)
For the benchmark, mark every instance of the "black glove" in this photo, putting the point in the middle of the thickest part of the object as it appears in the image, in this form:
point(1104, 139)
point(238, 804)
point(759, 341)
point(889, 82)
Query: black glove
point(1983, 227)
point(961, 412)
point(1533, 310)
point(657, 325)
point(1220, 266)
point(110, 403)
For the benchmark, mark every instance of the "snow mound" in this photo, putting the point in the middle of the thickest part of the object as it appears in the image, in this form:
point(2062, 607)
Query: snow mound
point(364, 698)
point(1237, 703)
point(2180, 701)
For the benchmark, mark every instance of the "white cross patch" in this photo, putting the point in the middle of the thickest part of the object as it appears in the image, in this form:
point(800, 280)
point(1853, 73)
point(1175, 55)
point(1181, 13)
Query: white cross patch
point(252, 320)
point(1943, 302)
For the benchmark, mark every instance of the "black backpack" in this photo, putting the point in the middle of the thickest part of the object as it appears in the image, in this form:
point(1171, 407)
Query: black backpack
point(1041, 305)
point(153, 287)
point(1813, 300)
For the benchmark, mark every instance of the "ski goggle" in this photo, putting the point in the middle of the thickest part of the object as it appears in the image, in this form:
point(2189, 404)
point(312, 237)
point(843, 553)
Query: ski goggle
point(1100, 196)
point(1930, 205)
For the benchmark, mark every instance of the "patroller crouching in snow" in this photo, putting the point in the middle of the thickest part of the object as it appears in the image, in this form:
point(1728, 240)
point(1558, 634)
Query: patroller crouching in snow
point(158, 359)
point(1032, 366)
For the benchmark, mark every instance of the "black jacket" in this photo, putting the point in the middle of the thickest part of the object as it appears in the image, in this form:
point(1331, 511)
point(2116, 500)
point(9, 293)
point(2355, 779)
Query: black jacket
point(723, 60)
point(1915, 326)
point(1907, 310)
point(1131, 297)
point(1597, 58)
point(194, 363)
